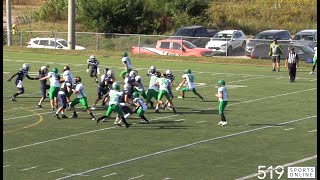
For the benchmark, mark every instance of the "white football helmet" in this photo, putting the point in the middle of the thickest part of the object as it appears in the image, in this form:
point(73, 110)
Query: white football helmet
point(168, 72)
point(110, 73)
point(138, 78)
point(43, 68)
point(133, 73)
point(92, 57)
point(26, 66)
point(153, 69)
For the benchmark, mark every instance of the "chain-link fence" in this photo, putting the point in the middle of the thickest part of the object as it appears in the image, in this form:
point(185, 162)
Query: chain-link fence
point(126, 42)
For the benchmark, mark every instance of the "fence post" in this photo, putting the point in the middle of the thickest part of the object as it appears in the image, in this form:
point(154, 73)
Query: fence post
point(97, 41)
point(20, 34)
point(139, 45)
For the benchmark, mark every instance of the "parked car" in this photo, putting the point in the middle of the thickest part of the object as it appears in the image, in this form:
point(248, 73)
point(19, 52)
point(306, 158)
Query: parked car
point(261, 51)
point(283, 37)
point(307, 37)
point(51, 43)
point(226, 41)
point(197, 35)
point(174, 47)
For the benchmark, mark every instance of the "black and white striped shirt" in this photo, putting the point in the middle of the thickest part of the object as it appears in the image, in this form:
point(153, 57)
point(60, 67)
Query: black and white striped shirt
point(292, 58)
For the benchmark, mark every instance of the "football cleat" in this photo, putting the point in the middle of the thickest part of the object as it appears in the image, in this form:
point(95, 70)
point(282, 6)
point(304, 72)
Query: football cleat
point(56, 116)
point(220, 123)
point(224, 123)
point(74, 116)
point(93, 119)
point(93, 107)
point(64, 116)
point(39, 106)
point(180, 97)
point(128, 125)
point(311, 72)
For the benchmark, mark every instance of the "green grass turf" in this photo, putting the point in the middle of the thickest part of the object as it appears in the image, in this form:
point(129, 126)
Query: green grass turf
point(188, 145)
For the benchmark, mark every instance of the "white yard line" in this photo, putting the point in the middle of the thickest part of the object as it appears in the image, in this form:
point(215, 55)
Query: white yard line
point(313, 130)
point(289, 129)
point(178, 120)
point(109, 174)
point(182, 147)
point(26, 169)
point(284, 165)
point(200, 121)
point(6, 166)
point(55, 170)
point(136, 177)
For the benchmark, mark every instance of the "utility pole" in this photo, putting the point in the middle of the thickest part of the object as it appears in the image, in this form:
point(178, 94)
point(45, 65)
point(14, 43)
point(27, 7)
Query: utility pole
point(9, 23)
point(71, 23)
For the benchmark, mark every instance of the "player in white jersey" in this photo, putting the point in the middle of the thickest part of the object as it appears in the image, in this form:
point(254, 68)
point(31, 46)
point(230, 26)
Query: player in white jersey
point(223, 101)
point(188, 79)
point(140, 87)
point(168, 74)
point(140, 106)
point(164, 86)
point(153, 89)
point(114, 95)
point(81, 98)
point(94, 64)
point(67, 76)
point(126, 61)
point(152, 71)
point(54, 78)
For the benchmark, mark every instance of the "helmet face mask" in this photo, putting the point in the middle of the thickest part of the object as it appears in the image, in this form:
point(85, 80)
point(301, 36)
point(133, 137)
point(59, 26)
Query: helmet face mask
point(153, 69)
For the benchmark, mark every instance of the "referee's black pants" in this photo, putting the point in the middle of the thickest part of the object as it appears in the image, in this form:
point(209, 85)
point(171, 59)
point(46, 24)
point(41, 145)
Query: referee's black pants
point(292, 67)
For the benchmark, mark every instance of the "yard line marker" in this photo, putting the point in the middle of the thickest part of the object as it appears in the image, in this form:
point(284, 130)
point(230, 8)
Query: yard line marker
point(284, 165)
point(136, 177)
point(77, 175)
point(109, 174)
point(6, 166)
point(55, 170)
point(312, 130)
point(183, 146)
point(73, 135)
point(289, 129)
point(179, 120)
point(29, 168)
point(166, 178)
point(200, 121)
point(313, 79)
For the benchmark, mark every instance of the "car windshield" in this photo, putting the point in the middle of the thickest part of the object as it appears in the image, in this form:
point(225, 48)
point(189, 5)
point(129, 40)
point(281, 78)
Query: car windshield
point(63, 42)
point(189, 45)
point(303, 37)
point(185, 32)
point(307, 49)
point(264, 36)
point(222, 36)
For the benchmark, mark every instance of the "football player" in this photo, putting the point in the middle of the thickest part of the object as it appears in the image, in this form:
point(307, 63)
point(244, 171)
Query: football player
point(54, 78)
point(43, 84)
point(152, 71)
point(223, 101)
point(103, 88)
point(81, 98)
point(62, 99)
point(153, 89)
point(126, 61)
point(188, 78)
point(168, 74)
point(67, 76)
point(164, 86)
point(140, 87)
point(21, 74)
point(93, 63)
point(140, 107)
point(114, 95)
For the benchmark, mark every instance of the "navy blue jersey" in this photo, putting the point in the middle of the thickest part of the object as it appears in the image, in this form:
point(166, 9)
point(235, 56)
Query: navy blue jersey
point(170, 77)
point(21, 74)
point(64, 86)
point(93, 63)
point(41, 75)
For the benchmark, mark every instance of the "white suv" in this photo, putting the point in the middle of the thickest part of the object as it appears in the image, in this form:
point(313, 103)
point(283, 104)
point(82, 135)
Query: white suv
point(50, 43)
point(227, 40)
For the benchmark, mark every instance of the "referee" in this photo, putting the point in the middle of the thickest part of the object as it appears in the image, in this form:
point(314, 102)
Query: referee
point(292, 62)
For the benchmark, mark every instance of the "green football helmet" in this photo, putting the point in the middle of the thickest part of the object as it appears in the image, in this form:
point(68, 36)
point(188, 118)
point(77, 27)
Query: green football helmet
point(187, 71)
point(116, 86)
point(135, 95)
point(125, 54)
point(221, 83)
point(55, 70)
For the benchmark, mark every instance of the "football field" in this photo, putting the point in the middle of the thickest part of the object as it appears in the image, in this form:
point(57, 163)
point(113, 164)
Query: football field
point(271, 122)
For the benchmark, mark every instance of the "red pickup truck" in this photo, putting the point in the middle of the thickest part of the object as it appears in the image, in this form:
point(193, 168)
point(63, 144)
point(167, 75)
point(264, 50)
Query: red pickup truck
point(174, 47)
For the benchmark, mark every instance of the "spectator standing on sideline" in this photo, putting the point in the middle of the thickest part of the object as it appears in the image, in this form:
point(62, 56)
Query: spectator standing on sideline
point(314, 62)
point(292, 62)
point(274, 51)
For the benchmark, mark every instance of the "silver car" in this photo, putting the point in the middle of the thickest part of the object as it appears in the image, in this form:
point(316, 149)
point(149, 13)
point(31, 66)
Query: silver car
point(226, 41)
